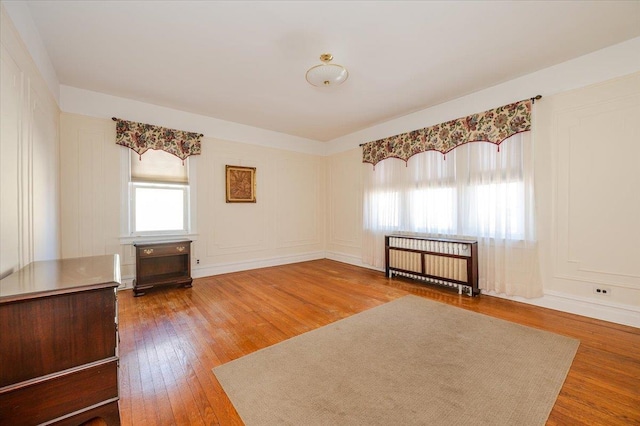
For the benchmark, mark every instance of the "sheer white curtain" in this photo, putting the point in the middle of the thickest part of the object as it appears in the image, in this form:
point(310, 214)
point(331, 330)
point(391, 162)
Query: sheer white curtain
point(474, 191)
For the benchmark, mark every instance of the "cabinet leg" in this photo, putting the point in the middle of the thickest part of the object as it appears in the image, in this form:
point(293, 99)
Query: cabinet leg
point(136, 292)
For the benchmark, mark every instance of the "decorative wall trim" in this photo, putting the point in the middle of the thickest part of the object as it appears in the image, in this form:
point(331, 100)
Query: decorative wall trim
point(99, 105)
point(605, 64)
point(23, 26)
point(581, 252)
point(31, 116)
point(309, 192)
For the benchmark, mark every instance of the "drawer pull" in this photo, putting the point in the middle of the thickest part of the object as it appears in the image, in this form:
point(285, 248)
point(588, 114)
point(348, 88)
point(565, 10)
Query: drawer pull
point(180, 249)
point(148, 251)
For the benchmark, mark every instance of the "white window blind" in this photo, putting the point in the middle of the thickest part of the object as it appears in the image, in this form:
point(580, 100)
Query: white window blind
point(158, 166)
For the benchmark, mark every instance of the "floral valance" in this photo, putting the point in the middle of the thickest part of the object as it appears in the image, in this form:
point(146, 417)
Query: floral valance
point(140, 137)
point(493, 126)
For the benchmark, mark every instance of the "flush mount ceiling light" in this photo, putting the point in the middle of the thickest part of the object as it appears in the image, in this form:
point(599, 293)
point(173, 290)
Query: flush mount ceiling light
point(326, 74)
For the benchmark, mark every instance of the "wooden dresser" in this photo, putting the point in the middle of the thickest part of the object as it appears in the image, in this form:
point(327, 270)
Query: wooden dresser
point(162, 263)
point(58, 342)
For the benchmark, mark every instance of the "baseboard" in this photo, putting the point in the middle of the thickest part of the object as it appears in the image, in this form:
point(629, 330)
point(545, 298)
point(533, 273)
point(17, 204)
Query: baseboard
point(225, 268)
point(126, 283)
point(350, 259)
point(606, 311)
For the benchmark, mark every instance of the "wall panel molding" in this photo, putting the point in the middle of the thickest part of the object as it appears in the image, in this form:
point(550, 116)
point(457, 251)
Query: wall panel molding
point(91, 187)
point(345, 200)
point(596, 152)
point(586, 193)
point(298, 183)
point(28, 147)
point(234, 227)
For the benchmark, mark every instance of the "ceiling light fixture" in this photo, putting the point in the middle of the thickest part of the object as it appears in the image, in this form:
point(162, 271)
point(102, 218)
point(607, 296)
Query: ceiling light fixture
point(326, 74)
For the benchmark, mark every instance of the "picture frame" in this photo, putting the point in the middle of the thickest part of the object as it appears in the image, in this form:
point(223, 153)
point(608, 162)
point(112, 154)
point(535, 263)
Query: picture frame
point(240, 184)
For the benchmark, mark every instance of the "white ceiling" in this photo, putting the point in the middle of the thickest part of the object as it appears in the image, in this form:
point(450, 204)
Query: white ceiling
point(245, 62)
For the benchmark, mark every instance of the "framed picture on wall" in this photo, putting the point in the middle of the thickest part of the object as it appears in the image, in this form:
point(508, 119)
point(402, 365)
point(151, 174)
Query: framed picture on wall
point(241, 184)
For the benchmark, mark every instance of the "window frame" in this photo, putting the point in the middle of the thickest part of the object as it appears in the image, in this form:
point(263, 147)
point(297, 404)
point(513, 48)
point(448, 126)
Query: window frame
point(465, 187)
point(126, 226)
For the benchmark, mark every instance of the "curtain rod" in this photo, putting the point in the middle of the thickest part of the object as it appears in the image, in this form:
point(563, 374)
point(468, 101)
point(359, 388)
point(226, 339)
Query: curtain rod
point(533, 100)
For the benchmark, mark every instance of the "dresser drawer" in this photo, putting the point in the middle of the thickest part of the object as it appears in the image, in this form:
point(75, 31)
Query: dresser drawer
point(163, 250)
point(37, 401)
point(43, 336)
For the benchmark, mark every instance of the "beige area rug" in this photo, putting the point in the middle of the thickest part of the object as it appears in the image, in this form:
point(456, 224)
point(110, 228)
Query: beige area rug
point(411, 361)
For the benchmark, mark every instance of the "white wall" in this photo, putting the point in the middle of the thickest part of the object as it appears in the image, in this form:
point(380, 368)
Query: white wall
point(344, 215)
point(90, 186)
point(29, 158)
point(614, 61)
point(285, 225)
point(588, 202)
point(587, 183)
point(20, 16)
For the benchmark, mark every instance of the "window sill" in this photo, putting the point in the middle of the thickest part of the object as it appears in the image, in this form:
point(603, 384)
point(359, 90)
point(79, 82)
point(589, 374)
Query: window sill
point(131, 239)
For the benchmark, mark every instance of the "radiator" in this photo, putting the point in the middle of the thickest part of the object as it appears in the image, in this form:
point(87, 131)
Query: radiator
point(449, 262)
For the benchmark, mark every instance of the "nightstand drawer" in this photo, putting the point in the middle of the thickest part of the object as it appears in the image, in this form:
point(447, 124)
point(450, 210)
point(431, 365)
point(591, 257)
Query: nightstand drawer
point(163, 249)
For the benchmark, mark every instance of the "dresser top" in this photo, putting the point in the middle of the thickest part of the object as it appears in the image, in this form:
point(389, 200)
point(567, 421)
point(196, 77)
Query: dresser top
point(51, 277)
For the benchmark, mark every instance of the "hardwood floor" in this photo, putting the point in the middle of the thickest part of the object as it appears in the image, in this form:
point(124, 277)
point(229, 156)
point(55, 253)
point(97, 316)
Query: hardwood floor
point(172, 338)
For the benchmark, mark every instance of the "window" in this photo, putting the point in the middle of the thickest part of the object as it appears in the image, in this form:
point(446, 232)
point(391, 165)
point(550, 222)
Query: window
point(385, 208)
point(477, 191)
point(499, 210)
point(158, 194)
point(433, 210)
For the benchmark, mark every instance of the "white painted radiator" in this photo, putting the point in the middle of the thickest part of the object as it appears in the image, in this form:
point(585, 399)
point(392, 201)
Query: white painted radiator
point(448, 262)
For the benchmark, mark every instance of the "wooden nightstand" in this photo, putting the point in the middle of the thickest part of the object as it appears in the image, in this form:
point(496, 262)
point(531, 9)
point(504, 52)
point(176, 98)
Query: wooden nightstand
point(162, 263)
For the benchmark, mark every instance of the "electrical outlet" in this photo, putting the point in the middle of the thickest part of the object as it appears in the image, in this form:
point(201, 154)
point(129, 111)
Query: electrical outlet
point(197, 261)
point(602, 291)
